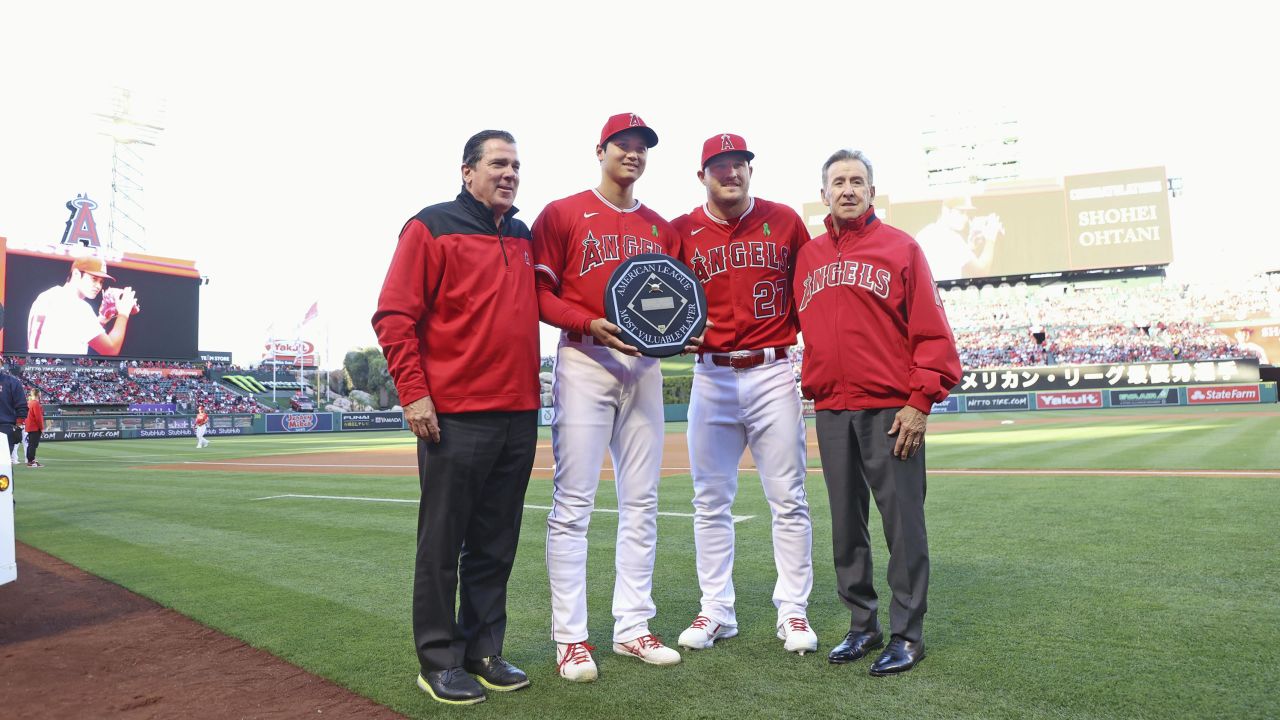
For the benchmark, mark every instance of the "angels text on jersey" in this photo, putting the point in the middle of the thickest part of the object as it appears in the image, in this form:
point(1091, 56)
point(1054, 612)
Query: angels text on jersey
point(847, 272)
point(597, 251)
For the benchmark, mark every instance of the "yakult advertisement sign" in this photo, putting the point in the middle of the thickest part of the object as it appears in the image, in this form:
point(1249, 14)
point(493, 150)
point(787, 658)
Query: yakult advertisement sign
point(1069, 400)
point(290, 352)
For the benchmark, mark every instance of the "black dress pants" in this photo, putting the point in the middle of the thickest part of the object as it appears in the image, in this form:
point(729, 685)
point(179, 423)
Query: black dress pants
point(857, 456)
point(33, 442)
point(473, 485)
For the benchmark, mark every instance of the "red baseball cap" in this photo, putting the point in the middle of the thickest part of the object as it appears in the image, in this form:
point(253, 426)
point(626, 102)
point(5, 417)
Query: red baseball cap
point(723, 143)
point(94, 266)
point(627, 121)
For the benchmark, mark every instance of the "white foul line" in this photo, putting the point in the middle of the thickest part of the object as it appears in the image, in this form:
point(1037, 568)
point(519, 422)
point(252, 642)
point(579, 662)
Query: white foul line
point(1123, 473)
point(736, 518)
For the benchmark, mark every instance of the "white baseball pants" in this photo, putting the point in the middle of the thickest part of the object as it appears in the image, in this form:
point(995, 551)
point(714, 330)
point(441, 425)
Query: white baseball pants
point(604, 400)
point(731, 410)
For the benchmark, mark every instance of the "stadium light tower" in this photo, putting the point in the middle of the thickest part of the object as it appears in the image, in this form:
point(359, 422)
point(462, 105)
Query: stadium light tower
point(131, 133)
point(967, 148)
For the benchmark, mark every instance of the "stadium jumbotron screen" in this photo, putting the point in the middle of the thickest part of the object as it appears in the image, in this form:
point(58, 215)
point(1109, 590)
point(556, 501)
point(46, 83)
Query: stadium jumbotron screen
point(66, 315)
point(1101, 220)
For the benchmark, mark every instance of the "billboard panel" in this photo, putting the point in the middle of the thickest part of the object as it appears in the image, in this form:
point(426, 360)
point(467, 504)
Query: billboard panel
point(1099, 220)
point(987, 235)
point(51, 310)
point(1118, 219)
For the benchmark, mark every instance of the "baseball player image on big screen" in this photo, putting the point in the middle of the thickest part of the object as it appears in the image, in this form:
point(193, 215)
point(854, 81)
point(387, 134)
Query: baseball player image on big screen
point(607, 398)
point(61, 321)
point(742, 250)
point(57, 305)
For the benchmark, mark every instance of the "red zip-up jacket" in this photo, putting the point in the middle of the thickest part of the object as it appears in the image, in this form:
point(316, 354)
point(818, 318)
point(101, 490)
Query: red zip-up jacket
point(875, 332)
point(458, 315)
point(35, 416)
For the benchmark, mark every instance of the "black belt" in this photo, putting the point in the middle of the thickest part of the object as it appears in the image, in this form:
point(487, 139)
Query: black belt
point(580, 338)
point(743, 359)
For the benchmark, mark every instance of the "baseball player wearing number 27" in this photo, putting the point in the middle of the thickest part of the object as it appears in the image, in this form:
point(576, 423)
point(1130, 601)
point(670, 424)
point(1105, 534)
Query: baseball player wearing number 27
point(743, 250)
point(607, 397)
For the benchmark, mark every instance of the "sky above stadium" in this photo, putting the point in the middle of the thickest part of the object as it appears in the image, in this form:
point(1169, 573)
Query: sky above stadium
point(300, 136)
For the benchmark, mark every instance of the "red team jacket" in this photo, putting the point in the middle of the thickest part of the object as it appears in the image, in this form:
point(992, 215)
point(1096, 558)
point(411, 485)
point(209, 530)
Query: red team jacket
point(457, 317)
point(35, 416)
point(876, 334)
point(578, 242)
point(750, 261)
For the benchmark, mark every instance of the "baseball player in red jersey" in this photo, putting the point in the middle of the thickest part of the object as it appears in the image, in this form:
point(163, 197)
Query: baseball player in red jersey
point(202, 426)
point(743, 251)
point(607, 397)
point(878, 353)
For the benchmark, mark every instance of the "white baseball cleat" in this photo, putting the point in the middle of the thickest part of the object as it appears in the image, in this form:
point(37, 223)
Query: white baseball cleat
point(649, 649)
point(574, 662)
point(798, 637)
point(703, 633)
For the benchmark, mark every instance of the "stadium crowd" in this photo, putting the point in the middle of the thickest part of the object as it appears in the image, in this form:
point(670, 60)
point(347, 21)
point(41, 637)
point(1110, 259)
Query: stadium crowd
point(1017, 326)
point(86, 381)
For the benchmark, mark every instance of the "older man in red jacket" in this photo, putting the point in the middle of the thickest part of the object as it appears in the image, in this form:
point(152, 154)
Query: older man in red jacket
point(878, 353)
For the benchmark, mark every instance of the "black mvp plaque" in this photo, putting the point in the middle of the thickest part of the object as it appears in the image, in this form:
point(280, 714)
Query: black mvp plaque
point(657, 302)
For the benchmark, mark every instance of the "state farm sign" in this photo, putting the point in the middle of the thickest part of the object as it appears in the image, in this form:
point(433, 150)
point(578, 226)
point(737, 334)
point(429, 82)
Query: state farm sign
point(1223, 394)
point(1069, 400)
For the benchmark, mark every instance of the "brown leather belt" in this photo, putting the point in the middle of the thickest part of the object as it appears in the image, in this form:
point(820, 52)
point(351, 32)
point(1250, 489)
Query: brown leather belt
point(743, 359)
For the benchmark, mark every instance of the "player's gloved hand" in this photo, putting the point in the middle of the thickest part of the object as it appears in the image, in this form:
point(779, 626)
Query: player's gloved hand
point(607, 334)
point(118, 301)
point(107, 309)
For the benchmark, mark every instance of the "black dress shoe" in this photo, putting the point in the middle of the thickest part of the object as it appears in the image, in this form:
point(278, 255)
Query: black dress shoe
point(899, 657)
point(496, 673)
point(854, 646)
point(452, 687)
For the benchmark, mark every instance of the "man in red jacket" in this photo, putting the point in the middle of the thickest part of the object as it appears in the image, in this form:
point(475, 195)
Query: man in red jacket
point(458, 322)
point(879, 353)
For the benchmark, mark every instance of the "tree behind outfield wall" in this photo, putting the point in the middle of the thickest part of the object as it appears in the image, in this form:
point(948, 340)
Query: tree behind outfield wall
point(367, 370)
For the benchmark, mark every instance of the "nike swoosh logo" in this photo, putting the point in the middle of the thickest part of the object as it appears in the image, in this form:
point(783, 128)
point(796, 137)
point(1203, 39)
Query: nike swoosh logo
point(695, 232)
point(589, 215)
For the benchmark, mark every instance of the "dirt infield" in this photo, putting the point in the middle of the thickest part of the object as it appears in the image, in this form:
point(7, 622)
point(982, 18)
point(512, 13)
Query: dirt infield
point(75, 646)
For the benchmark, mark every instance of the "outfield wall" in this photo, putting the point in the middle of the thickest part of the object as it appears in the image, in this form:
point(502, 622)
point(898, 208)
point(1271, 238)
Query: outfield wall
point(130, 427)
point(1153, 397)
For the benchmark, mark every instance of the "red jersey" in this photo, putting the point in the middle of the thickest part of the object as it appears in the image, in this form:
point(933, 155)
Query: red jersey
point(457, 317)
point(35, 416)
point(746, 267)
point(875, 331)
point(202, 417)
point(578, 242)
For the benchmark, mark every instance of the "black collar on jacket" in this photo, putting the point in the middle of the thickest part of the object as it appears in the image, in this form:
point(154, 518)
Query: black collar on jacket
point(480, 210)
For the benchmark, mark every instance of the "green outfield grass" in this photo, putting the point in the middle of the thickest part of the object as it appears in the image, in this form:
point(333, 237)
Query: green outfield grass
point(1090, 595)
